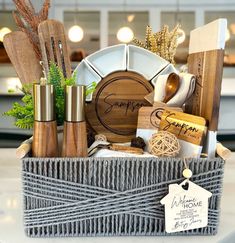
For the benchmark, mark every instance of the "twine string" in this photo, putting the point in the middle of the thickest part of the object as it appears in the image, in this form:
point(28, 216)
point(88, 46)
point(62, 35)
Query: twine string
point(164, 143)
point(97, 202)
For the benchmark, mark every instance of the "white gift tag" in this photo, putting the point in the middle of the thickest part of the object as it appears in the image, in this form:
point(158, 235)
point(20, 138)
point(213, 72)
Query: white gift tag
point(185, 208)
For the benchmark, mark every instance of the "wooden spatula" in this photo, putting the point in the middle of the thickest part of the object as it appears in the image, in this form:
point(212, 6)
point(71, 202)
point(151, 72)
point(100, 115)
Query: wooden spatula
point(54, 45)
point(205, 61)
point(23, 57)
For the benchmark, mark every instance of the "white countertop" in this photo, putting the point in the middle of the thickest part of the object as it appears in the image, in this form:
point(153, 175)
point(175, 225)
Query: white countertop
point(228, 87)
point(11, 221)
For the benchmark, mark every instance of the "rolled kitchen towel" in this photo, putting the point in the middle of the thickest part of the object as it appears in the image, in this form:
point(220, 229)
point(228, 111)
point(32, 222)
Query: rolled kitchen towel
point(110, 153)
point(187, 86)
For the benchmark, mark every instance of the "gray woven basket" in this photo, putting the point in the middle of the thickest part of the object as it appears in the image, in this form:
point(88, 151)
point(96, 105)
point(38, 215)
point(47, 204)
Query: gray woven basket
point(109, 196)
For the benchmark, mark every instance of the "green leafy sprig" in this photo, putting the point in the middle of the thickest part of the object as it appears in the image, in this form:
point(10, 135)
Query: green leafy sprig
point(56, 78)
point(24, 114)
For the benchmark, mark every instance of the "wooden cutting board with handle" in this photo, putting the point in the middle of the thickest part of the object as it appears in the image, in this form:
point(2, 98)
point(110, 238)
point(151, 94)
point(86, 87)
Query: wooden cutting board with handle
point(22, 56)
point(115, 105)
point(54, 46)
point(205, 61)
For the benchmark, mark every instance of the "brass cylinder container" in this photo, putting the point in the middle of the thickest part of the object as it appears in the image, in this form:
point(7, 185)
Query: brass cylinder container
point(75, 103)
point(43, 102)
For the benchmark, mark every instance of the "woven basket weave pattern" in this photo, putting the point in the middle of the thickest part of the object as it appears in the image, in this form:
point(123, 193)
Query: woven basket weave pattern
point(109, 196)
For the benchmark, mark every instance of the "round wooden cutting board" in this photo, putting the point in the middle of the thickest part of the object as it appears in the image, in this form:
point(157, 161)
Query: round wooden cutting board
point(113, 110)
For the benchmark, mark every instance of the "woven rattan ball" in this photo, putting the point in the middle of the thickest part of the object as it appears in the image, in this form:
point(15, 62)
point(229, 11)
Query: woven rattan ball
point(164, 143)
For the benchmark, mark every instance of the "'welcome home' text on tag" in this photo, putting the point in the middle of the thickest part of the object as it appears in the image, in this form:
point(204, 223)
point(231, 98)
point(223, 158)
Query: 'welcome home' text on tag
point(185, 208)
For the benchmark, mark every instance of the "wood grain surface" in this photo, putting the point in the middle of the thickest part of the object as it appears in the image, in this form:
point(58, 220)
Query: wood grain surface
point(115, 105)
point(54, 45)
point(208, 68)
point(22, 56)
point(150, 116)
point(126, 149)
point(74, 140)
point(149, 120)
point(45, 141)
point(3, 54)
point(184, 126)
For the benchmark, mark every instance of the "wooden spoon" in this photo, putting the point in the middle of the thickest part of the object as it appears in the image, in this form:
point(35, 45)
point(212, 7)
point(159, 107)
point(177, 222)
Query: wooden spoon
point(22, 56)
point(54, 45)
point(172, 86)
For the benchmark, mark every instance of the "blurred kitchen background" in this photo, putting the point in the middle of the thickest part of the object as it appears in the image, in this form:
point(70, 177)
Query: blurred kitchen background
point(99, 24)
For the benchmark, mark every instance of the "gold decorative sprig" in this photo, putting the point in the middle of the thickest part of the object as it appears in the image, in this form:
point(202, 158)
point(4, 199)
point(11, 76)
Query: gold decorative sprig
point(27, 19)
point(163, 43)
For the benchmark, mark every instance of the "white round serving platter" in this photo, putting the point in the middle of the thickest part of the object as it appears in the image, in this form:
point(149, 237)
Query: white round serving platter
point(121, 57)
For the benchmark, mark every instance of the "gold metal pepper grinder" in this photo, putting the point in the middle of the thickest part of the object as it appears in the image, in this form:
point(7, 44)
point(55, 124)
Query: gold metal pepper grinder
point(75, 135)
point(45, 142)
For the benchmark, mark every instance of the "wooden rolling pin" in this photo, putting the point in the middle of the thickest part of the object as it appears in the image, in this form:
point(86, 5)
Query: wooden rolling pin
point(222, 151)
point(26, 145)
point(24, 148)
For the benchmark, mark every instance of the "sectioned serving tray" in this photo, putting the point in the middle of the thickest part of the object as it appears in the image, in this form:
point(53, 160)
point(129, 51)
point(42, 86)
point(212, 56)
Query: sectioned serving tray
point(123, 74)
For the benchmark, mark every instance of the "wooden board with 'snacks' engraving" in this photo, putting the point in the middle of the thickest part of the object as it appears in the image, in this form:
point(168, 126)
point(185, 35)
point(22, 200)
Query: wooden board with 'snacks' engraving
point(115, 105)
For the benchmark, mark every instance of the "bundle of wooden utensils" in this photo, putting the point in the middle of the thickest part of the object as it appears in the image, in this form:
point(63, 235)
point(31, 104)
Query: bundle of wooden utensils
point(176, 117)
